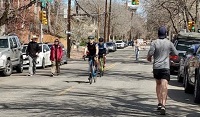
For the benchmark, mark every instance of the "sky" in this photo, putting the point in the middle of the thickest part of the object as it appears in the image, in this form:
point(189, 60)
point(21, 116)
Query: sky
point(139, 10)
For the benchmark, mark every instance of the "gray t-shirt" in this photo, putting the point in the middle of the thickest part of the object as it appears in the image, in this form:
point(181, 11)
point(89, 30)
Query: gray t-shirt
point(160, 50)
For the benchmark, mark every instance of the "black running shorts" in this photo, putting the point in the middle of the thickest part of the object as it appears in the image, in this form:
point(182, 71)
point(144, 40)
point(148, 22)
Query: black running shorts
point(161, 74)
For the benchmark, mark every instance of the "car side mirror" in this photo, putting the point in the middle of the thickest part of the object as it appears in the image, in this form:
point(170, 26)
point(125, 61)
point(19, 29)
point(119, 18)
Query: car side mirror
point(45, 50)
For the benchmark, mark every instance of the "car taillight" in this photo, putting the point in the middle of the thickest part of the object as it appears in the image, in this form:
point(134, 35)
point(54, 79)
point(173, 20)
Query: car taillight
point(174, 57)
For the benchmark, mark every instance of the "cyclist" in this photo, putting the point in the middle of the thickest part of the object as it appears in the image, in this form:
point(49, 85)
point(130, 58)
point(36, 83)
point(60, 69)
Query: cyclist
point(102, 50)
point(92, 50)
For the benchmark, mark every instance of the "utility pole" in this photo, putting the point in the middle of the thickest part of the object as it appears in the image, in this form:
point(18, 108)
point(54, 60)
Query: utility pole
point(131, 25)
point(197, 20)
point(98, 30)
point(105, 23)
point(109, 20)
point(69, 29)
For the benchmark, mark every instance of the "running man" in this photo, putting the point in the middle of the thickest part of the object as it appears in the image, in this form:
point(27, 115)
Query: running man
point(160, 50)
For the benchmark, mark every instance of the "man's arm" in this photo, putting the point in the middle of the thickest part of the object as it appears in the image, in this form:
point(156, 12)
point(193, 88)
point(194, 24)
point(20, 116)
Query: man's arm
point(86, 49)
point(97, 49)
point(173, 49)
point(28, 49)
point(104, 49)
point(151, 52)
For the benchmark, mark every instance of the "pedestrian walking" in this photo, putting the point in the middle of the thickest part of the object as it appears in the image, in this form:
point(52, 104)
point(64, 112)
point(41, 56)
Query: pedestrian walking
point(137, 50)
point(32, 52)
point(160, 50)
point(55, 57)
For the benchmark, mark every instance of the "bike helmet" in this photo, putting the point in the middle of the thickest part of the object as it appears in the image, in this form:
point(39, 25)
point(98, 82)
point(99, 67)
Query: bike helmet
point(101, 39)
point(91, 37)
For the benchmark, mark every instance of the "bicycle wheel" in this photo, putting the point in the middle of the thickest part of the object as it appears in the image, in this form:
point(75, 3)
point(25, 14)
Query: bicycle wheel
point(91, 72)
point(94, 72)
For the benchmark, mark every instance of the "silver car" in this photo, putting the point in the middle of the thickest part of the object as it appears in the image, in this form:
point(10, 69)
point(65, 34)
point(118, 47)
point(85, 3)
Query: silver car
point(10, 55)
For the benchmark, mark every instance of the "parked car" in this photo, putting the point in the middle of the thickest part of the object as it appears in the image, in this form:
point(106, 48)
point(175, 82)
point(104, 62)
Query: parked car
point(43, 59)
point(120, 44)
point(192, 76)
point(25, 57)
point(64, 57)
point(111, 46)
point(10, 55)
point(125, 44)
point(130, 43)
point(184, 61)
point(182, 43)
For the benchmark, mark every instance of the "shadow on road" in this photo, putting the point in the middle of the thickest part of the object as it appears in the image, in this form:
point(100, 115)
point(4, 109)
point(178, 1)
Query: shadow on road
point(173, 82)
point(97, 103)
point(180, 96)
point(193, 115)
point(79, 82)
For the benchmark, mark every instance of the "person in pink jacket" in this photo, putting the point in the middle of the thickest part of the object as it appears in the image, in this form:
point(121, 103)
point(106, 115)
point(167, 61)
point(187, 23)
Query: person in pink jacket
point(55, 57)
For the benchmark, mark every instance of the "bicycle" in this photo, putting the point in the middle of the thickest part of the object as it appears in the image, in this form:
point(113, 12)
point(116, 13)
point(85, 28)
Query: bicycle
point(92, 69)
point(101, 62)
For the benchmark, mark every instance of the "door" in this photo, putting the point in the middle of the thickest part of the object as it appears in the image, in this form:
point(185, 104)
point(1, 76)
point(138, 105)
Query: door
point(46, 54)
point(17, 50)
point(12, 53)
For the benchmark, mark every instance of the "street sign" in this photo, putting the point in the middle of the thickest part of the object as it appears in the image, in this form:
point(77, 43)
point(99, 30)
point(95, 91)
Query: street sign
point(44, 2)
point(68, 33)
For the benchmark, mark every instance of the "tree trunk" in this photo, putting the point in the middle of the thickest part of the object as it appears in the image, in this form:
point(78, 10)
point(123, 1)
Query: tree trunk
point(49, 17)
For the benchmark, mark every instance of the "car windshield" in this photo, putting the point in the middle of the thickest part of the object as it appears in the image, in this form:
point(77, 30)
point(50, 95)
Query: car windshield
point(109, 44)
point(185, 45)
point(24, 49)
point(118, 41)
point(3, 43)
point(50, 45)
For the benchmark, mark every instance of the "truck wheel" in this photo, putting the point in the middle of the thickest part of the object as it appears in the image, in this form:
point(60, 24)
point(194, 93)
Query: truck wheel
point(8, 69)
point(20, 68)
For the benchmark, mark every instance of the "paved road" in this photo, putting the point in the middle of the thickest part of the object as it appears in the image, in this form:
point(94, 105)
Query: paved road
point(127, 89)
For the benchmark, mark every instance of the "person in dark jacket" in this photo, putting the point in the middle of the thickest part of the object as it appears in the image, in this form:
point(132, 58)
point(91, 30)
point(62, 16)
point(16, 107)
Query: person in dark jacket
point(32, 52)
point(55, 57)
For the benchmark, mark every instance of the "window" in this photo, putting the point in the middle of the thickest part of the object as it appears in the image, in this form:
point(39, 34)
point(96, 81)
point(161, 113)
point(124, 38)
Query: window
point(198, 51)
point(18, 42)
point(14, 42)
point(24, 49)
point(184, 45)
point(3, 43)
point(118, 41)
point(11, 42)
point(47, 47)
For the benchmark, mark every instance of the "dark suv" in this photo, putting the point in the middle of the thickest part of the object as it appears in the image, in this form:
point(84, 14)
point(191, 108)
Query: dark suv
point(182, 43)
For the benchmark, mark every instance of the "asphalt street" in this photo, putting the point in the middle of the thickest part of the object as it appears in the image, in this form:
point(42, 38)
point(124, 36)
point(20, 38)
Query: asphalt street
point(126, 89)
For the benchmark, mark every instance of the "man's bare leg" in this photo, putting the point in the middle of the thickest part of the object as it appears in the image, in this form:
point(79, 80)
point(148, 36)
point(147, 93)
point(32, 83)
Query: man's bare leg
point(164, 85)
point(158, 91)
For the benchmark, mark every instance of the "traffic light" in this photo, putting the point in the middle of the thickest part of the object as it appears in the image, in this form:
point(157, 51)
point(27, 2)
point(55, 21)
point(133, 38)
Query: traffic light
point(135, 2)
point(43, 17)
point(191, 26)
